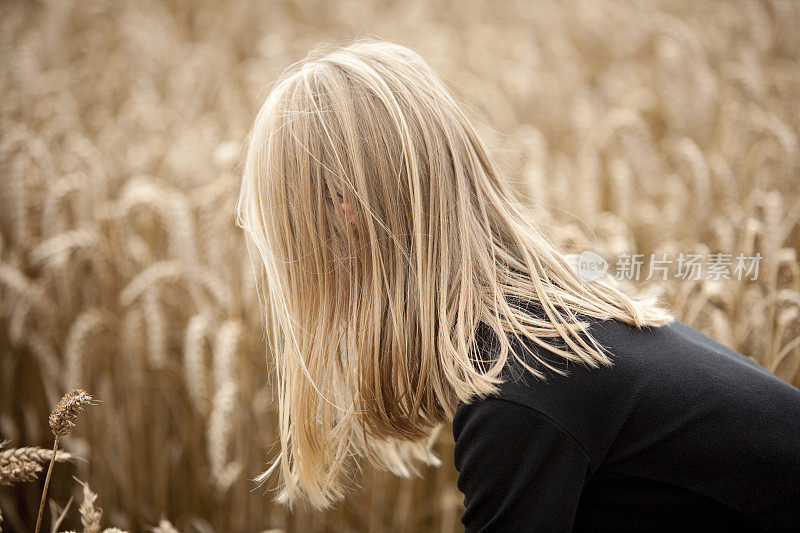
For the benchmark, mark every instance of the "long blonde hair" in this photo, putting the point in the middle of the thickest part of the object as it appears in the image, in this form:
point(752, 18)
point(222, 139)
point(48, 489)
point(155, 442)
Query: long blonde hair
point(372, 325)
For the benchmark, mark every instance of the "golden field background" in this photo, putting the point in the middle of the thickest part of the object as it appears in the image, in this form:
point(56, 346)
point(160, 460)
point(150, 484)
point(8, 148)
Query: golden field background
point(635, 126)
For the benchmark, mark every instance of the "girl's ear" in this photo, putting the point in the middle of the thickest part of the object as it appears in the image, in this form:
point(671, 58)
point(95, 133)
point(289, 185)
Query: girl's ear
point(348, 216)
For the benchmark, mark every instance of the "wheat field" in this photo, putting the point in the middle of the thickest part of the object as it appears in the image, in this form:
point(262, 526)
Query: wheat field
point(636, 127)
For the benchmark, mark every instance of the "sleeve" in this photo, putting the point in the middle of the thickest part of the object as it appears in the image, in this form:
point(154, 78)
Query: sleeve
point(518, 470)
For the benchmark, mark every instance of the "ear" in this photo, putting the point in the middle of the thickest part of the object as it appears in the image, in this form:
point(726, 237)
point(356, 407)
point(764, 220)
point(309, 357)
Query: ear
point(347, 209)
point(349, 216)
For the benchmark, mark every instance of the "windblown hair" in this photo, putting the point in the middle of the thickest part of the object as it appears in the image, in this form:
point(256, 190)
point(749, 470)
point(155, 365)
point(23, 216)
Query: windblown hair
point(373, 324)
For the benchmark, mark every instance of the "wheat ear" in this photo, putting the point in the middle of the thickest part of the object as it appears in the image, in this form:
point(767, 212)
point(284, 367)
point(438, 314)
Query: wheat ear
point(65, 415)
point(63, 418)
point(30, 453)
point(21, 465)
point(90, 515)
point(165, 526)
point(19, 472)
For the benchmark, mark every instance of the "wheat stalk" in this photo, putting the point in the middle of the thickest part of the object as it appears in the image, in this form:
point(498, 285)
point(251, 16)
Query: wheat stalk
point(156, 327)
point(194, 364)
point(59, 245)
point(82, 331)
point(163, 271)
point(59, 514)
point(55, 220)
point(224, 403)
point(26, 289)
point(62, 420)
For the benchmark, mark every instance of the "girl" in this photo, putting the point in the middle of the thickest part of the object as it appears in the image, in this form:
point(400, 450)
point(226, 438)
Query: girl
point(406, 288)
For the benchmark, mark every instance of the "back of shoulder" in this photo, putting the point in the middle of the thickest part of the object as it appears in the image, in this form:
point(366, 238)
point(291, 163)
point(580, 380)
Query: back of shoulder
point(673, 355)
point(657, 373)
point(678, 357)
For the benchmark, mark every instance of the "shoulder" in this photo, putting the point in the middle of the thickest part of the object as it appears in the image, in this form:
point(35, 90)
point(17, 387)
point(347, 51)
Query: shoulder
point(657, 373)
point(674, 352)
point(577, 386)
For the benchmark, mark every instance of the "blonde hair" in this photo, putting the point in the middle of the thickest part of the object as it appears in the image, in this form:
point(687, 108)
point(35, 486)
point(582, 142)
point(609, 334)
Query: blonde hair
point(373, 326)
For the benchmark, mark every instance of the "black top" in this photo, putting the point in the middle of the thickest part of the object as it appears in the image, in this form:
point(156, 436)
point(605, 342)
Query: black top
point(680, 433)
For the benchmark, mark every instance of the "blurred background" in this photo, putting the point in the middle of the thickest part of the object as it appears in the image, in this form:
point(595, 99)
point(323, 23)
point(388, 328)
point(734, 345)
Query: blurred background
point(638, 127)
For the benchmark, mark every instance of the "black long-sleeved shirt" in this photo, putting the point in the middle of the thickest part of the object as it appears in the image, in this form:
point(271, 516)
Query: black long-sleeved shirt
point(680, 433)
